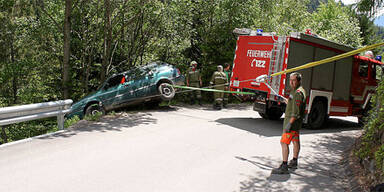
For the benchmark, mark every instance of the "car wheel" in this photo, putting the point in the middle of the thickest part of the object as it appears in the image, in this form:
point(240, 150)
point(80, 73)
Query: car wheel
point(94, 109)
point(318, 115)
point(166, 91)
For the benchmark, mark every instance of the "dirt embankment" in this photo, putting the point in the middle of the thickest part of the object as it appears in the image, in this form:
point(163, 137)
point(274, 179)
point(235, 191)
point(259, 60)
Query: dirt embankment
point(364, 175)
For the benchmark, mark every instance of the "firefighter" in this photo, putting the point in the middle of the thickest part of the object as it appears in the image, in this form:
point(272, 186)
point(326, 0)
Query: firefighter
point(369, 54)
point(219, 81)
point(228, 74)
point(194, 80)
point(293, 120)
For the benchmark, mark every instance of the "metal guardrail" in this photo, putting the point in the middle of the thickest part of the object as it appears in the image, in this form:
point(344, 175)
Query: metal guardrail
point(17, 114)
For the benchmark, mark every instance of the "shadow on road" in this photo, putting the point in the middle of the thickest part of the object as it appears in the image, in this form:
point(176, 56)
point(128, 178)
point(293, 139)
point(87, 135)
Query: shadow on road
point(323, 170)
point(209, 107)
point(107, 123)
point(270, 128)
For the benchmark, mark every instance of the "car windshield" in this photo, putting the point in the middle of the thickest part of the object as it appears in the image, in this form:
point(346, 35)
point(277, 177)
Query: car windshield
point(143, 70)
point(113, 81)
point(133, 73)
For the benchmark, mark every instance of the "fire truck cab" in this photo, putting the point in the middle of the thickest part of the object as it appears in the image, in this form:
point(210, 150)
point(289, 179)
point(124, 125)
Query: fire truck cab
point(339, 88)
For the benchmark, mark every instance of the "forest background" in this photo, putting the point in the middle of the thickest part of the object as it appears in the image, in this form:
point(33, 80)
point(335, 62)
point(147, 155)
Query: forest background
point(55, 49)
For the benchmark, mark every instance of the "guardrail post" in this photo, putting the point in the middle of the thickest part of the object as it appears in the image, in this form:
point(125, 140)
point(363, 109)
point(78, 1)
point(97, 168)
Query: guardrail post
point(60, 119)
point(3, 135)
point(17, 114)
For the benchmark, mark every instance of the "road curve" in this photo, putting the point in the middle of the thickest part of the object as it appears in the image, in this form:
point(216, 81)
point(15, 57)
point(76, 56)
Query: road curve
point(181, 149)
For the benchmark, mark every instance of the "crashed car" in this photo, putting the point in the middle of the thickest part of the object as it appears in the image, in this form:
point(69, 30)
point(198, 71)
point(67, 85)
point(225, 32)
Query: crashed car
point(149, 83)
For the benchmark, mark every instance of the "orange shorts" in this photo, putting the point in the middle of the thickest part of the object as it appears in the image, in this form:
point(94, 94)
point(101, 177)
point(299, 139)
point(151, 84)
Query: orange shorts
point(290, 136)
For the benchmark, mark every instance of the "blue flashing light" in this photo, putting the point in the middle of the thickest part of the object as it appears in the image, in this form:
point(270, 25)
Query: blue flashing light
point(378, 58)
point(259, 32)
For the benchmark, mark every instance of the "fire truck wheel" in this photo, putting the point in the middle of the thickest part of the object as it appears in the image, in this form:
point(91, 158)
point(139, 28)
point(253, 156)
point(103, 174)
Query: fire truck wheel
point(272, 114)
point(363, 118)
point(318, 115)
point(263, 115)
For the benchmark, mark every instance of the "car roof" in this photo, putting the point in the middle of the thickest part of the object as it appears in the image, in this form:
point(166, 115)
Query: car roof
point(146, 66)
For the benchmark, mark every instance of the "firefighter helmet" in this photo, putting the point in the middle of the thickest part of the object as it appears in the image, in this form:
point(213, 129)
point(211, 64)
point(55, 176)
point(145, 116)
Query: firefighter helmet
point(369, 54)
point(220, 68)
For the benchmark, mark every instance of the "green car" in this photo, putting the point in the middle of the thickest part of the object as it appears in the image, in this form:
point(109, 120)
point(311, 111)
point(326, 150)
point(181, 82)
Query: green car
point(150, 83)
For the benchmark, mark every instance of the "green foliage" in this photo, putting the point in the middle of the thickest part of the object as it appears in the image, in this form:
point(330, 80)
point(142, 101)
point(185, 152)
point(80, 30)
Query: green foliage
point(113, 113)
point(71, 121)
point(371, 145)
point(94, 117)
point(370, 7)
point(174, 31)
point(368, 31)
point(337, 23)
point(313, 4)
point(283, 16)
point(30, 129)
point(379, 157)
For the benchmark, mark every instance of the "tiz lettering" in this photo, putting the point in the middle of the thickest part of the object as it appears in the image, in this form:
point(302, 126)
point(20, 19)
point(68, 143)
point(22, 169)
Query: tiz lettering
point(258, 63)
point(258, 54)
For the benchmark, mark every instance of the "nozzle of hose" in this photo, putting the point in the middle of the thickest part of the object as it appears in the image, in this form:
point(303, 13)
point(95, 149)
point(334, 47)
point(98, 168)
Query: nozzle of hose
point(261, 78)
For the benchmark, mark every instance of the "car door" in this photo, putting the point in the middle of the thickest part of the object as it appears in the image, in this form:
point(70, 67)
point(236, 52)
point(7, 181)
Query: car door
point(139, 84)
point(145, 83)
point(126, 91)
point(109, 91)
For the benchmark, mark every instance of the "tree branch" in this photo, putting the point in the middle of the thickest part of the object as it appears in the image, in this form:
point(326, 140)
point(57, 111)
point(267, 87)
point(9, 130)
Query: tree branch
point(59, 27)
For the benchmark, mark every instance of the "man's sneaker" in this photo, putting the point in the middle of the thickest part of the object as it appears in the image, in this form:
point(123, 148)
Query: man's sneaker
point(292, 164)
point(283, 169)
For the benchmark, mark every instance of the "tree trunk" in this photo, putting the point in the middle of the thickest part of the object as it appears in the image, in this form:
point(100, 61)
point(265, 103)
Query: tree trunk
point(107, 39)
point(14, 74)
point(67, 49)
point(195, 38)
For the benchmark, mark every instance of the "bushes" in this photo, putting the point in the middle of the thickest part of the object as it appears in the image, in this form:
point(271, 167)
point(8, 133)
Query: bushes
point(24, 130)
point(71, 121)
point(372, 141)
point(379, 157)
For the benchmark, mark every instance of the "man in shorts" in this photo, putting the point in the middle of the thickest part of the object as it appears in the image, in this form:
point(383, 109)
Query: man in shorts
point(294, 114)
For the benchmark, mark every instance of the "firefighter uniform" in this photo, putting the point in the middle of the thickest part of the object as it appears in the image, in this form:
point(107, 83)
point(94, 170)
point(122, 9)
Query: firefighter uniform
point(194, 77)
point(226, 95)
point(295, 108)
point(219, 80)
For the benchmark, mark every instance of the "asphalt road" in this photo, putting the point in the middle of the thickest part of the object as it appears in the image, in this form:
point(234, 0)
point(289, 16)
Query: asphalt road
point(180, 149)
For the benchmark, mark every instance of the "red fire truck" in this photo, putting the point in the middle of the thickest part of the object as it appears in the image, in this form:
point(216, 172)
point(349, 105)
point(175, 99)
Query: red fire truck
point(340, 88)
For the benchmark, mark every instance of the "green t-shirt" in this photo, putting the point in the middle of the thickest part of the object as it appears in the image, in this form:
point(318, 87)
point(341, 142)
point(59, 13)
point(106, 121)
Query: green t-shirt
point(228, 74)
point(295, 108)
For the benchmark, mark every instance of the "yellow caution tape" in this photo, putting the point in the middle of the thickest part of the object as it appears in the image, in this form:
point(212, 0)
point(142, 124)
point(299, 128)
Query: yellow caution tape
point(330, 59)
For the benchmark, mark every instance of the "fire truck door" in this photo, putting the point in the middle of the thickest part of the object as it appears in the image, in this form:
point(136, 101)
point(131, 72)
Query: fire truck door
point(362, 73)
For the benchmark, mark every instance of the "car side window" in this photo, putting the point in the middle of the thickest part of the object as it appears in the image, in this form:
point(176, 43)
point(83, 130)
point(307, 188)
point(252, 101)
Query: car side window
point(114, 81)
